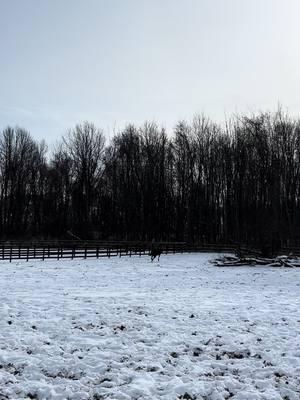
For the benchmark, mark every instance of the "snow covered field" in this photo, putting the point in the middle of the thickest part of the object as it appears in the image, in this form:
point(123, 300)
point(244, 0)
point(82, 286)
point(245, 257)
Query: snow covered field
point(128, 329)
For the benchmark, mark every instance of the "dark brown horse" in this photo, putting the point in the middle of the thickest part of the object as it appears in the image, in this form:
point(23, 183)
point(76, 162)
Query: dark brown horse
point(155, 252)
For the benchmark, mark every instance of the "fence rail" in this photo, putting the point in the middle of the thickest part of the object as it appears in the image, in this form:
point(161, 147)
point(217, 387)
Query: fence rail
point(28, 250)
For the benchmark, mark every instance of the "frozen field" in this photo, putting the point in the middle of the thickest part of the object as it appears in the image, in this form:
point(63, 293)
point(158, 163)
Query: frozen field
point(128, 329)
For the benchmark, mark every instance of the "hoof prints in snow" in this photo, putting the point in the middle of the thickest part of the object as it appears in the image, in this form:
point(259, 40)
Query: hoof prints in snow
point(128, 329)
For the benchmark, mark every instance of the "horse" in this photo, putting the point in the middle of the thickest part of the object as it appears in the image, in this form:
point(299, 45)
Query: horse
point(154, 253)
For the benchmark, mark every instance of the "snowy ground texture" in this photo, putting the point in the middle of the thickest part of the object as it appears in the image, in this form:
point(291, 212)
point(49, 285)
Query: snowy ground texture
point(128, 329)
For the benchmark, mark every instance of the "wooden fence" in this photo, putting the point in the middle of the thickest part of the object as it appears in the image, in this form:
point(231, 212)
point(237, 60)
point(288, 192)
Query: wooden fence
point(17, 250)
point(28, 250)
point(67, 249)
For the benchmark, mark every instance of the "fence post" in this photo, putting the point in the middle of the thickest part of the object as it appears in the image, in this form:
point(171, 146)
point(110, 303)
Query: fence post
point(19, 251)
point(97, 251)
point(27, 253)
point(43, 252)
point(10, 256)
point(85, 251)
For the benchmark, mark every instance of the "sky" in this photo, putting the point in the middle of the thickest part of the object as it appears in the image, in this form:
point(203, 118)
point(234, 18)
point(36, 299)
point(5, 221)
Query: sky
point(114, 62)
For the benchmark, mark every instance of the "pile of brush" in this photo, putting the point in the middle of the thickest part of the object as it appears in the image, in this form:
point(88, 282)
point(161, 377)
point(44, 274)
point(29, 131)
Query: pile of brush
point(289, 261)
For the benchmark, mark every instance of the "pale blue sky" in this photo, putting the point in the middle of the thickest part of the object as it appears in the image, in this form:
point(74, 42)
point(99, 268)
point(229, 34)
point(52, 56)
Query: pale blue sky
point(119, 61)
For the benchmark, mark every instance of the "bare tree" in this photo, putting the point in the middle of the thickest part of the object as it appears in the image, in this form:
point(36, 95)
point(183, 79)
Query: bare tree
point(84, 146)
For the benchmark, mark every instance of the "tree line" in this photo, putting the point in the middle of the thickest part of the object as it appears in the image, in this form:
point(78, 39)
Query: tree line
point(204, 183)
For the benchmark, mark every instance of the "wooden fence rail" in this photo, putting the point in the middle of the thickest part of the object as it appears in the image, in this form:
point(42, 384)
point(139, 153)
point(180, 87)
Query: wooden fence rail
point(28, 250)
point(42, 251)
point(15, 250)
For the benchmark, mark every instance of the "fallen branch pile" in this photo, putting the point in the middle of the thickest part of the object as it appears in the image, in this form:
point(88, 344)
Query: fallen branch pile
point(279, 261)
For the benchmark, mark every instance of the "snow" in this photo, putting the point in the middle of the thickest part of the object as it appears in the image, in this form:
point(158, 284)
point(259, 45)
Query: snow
point(126, 328)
